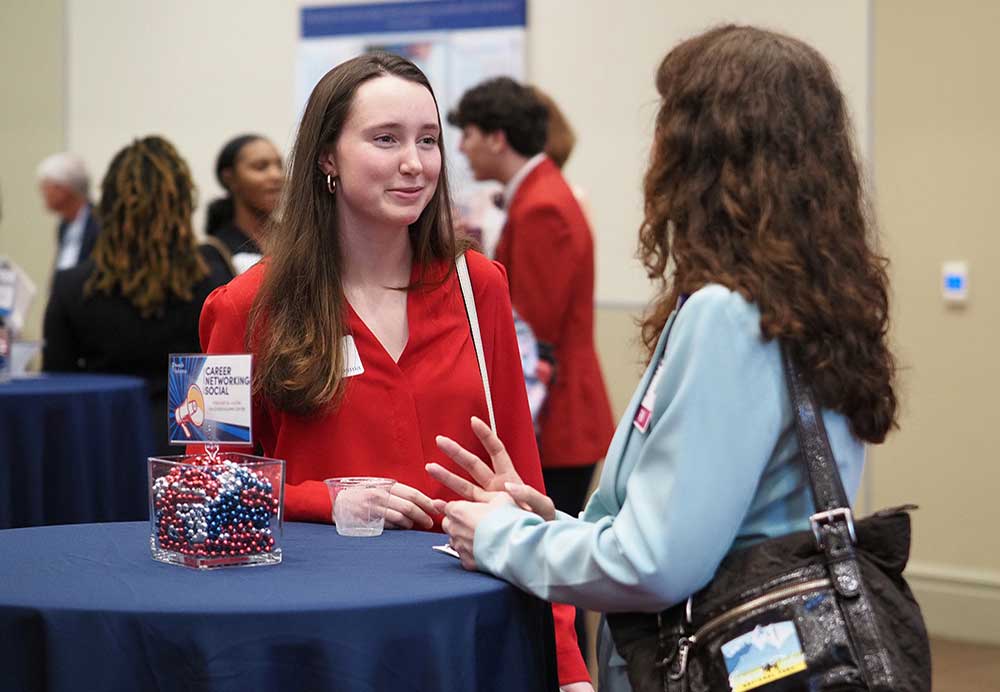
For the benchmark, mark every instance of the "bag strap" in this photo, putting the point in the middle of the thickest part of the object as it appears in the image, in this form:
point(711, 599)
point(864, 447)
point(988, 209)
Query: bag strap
point(833, 528)
point(465, 281)
point(814, 444)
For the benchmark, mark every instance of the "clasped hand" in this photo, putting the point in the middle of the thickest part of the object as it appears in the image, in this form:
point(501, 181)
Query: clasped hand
point(498, 485)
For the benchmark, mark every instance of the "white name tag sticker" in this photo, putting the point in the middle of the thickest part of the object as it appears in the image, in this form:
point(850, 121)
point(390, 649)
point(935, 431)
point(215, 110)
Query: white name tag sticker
point(209, 399)
point(764, 655)
point(352, 359)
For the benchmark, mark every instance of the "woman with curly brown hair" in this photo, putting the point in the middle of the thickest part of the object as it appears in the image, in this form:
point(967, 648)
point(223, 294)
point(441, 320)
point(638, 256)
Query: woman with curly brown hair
point(138, 297)
point(757, 229)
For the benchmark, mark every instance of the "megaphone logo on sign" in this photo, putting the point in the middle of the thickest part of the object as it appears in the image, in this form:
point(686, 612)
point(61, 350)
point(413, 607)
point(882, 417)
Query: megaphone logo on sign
point(192, 411)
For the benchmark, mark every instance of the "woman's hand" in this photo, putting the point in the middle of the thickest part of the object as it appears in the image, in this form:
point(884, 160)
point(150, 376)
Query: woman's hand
point(408, 509)
point(460, 521)
point(489, 479)
point(502, 477)
point(530, 499)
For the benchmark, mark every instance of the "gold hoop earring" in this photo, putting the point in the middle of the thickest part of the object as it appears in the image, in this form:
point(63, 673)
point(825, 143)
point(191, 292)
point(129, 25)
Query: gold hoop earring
point(331, 183)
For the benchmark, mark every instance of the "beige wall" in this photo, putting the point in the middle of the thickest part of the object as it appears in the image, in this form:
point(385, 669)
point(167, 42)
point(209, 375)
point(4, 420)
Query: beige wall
point(32, 126)
point(937, 142)
point(598, 59)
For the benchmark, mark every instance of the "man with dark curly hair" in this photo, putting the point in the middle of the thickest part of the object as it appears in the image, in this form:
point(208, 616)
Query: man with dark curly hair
point(548, 250)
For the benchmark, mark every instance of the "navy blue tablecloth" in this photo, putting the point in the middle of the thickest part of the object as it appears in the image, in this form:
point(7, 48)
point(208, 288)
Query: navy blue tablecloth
point(73, 449)
point(86, 608)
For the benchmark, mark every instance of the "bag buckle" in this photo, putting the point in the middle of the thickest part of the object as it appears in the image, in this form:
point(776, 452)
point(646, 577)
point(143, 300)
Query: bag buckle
point(830, 516)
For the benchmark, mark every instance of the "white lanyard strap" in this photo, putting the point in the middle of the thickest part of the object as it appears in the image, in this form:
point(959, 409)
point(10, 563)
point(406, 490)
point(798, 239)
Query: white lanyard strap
point(470, 310)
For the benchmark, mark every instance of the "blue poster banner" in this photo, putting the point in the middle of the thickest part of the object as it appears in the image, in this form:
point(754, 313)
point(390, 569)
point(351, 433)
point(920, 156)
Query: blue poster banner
point(401, 17)
point(209, 399)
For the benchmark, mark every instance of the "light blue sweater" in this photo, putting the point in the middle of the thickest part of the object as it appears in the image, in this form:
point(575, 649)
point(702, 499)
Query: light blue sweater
point(716, 469)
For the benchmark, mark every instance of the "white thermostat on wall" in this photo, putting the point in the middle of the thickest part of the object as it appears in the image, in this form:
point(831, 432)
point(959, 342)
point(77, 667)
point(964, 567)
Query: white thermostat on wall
point(955, 282)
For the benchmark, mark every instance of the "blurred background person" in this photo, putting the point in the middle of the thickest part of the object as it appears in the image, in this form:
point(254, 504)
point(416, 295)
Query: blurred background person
point(560, 140)
point(484, 215)
point(65, 186)
point(548, 250)
point(559, 135)
point(138, 298)
point(251, 170)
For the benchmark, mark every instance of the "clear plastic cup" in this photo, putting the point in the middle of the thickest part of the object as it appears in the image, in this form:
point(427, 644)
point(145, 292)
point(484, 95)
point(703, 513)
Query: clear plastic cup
point(359, 504)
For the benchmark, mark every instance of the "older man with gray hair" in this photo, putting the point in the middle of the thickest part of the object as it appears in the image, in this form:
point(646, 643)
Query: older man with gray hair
point(65, 187)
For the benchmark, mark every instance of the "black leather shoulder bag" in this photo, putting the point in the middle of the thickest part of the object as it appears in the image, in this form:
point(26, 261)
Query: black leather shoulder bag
point(830, 604)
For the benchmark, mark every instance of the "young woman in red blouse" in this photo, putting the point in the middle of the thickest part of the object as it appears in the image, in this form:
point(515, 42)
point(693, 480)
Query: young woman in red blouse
point(362, 348)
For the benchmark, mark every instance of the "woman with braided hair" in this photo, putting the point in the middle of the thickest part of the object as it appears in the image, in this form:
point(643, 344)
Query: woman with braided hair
point(138, 297)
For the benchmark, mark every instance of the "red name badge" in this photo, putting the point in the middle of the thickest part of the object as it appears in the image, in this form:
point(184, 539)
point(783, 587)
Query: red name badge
point(641, 420)
point(644, 414)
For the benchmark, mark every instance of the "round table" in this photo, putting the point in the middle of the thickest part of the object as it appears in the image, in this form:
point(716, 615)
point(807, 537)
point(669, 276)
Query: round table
point(73, 449)
point(85, 607)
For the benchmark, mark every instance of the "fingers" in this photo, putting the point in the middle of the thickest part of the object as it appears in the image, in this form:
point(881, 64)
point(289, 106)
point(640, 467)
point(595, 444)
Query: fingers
point(409, 508)
point(468, 562)
point(413, 495)
point(479, 471)
point(491, 443)
point(451, 480)
point(532, 500)
point(395, 519)
point(461, 533)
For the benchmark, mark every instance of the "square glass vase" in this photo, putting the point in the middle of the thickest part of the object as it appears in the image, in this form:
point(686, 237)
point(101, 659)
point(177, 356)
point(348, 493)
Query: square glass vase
point(207, 512)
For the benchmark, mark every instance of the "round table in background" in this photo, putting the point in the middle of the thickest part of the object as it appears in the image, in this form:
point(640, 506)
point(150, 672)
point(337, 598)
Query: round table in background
point(73, 449)
point(86, 608)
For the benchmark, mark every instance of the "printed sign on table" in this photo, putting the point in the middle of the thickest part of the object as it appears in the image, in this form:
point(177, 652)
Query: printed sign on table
point(209, 399)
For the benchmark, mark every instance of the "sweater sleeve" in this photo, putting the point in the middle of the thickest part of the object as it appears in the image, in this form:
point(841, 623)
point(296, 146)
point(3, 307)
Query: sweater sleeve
point(514, 427)
point(718, 416)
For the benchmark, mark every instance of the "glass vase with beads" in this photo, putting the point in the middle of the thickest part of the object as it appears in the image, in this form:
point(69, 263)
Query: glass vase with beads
point(216, 509)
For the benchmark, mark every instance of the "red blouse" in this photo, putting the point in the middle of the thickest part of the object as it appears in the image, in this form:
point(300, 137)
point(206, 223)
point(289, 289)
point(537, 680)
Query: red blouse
point(391, 413)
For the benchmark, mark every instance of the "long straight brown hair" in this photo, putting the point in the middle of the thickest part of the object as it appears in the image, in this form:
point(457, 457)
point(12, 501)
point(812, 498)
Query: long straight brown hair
point(297, 321)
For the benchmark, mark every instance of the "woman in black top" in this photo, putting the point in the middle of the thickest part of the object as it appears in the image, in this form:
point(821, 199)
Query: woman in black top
point(250, 168)
point(138, 297)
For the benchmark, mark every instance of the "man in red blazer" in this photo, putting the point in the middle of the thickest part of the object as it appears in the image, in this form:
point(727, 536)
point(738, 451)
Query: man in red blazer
point(548, 250)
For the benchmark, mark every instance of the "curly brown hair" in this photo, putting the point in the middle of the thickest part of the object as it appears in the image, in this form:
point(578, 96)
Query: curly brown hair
point(753, 184)
point(147, 249)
